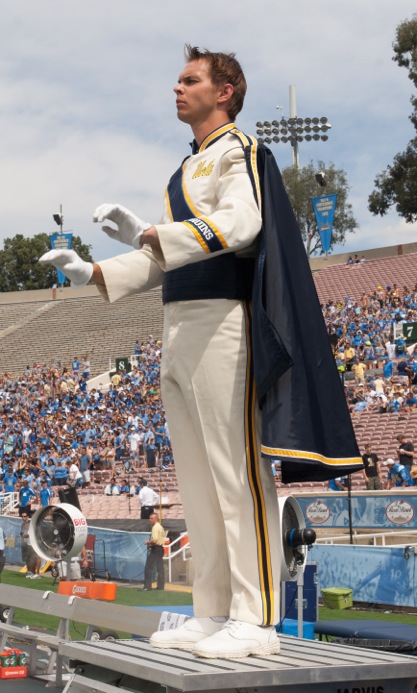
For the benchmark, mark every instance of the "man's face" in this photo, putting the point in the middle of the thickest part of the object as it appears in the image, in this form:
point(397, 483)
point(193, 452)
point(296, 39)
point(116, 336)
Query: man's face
point(197, 96)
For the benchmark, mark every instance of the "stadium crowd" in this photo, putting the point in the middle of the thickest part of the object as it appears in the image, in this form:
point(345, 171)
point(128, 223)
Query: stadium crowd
point(54, 431)
point(365, 344)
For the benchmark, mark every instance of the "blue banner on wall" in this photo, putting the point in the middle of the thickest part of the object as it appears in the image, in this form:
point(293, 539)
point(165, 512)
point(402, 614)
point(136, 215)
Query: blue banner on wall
point(123, 554)
point(375, 574)
point(386, 511)
point(324, 209)
point(61, 241)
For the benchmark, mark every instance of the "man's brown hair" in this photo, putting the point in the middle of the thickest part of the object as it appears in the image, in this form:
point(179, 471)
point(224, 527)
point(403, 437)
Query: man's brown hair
point(224, 69)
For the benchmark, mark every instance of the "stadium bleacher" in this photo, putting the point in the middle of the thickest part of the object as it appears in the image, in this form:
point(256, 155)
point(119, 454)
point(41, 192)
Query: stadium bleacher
point(44, 331)
point(37, 328)
point(339, 281)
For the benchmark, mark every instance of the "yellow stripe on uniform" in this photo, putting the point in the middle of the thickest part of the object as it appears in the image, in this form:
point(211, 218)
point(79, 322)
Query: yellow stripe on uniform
point(252, 461)
point(186, 195)
point(214, 135)
point(198, 236)
point(302, 454)
point(249, 141)
point(254, 167)
point(215, 231)
point(168, 205)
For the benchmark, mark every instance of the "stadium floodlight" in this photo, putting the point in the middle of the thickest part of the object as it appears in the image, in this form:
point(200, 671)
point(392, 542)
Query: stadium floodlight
point(293, 129)
point(59, 218)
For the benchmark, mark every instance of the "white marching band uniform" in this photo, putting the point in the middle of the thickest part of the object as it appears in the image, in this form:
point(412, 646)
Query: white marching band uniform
point(227, 489)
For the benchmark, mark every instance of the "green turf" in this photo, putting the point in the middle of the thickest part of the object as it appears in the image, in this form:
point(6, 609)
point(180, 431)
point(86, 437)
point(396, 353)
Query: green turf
point(130, 596)
point(134, 596)
point(327, 614)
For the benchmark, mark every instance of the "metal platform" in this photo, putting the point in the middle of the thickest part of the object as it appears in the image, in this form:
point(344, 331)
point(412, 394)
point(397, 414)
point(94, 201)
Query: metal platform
point(302, 666)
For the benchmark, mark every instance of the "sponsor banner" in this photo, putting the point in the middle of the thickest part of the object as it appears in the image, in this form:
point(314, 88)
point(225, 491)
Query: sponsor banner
point(375, 574)
point(123, 554)
point(386, 511)
point(61, 241)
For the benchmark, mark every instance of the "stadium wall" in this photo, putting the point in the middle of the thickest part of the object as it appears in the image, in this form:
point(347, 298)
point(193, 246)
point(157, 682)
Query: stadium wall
point(316, 264)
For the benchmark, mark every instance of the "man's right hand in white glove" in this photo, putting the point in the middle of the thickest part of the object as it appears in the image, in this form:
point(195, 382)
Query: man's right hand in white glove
point(129, 226)
point(75, 269)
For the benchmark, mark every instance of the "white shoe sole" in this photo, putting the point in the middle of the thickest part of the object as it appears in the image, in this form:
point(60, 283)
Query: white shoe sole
point(261, 651)
point(188, 646)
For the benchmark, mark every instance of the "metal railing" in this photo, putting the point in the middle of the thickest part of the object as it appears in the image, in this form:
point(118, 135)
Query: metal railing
point(178, 547)
point(345, 538)
point(8, 502)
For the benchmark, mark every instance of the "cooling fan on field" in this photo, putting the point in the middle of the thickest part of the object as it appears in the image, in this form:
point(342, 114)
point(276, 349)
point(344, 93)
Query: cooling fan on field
point(295, 538)
point(58, 532)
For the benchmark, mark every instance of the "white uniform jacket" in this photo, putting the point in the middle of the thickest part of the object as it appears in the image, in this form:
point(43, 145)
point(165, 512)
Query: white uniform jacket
point(220, 215)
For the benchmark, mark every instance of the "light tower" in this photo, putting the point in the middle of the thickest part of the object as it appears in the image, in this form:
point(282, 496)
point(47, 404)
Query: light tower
point(293, 129)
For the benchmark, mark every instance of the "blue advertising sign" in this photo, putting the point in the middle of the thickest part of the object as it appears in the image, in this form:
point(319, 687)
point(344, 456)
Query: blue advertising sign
point(61, 241)
point(375, 574)
point(386, 511)
point(324, 209)
point(123, 554)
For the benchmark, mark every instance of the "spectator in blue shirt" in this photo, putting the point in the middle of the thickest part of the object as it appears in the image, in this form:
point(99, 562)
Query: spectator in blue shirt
point(388, 368)
point(45, 494)
point(338, 484)
point(26, 495)
point(399, 346)
point(9, 480)
point(125, 487)
point(398, 475)
point(61, 474)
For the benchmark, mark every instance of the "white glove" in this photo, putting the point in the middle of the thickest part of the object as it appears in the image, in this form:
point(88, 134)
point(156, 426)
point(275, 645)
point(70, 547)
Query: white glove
point(130, 227)
point(75, 269)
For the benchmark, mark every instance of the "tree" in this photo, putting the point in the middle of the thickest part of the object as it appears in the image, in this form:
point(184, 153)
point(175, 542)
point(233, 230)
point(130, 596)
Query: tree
point(19, 266)
point(397, 185)
point(301, 186)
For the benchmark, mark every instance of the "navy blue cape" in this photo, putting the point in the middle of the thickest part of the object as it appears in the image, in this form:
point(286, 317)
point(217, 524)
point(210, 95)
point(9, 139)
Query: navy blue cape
point(305, 419)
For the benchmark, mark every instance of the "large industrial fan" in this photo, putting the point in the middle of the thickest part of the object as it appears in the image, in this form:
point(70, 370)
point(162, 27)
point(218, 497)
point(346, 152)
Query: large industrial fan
point(294, 538)
point(58, 532)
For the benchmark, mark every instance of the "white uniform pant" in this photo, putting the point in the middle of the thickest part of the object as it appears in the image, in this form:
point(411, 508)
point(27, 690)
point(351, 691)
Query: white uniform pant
point(227, 489)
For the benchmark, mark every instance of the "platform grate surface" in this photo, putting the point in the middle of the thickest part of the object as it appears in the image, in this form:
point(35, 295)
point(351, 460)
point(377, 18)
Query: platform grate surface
point(299, 662)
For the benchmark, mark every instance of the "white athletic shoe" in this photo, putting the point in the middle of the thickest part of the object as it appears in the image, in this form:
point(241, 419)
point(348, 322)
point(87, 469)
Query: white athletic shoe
point(237, 639)
point(28, 575)
point(188, 634)
point(35, 576)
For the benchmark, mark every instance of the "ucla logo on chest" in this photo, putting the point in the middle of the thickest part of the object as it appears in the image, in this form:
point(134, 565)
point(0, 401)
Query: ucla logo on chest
point(203, 169)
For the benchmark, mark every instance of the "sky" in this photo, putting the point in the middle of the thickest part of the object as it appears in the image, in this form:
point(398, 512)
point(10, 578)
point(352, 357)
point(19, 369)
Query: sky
point(87, 109)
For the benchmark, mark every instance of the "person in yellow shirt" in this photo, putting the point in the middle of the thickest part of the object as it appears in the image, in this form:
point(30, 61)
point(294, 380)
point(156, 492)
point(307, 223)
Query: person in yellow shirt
point(349, 356)
point(359, 368)
point(155, 555)
point(116, 379)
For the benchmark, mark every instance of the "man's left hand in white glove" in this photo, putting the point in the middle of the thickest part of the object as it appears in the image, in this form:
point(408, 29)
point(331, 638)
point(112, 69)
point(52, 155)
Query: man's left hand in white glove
point(75, 269)
point(129, 227)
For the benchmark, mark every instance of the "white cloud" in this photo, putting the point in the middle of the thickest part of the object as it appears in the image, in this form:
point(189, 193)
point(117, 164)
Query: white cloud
point(87, 112)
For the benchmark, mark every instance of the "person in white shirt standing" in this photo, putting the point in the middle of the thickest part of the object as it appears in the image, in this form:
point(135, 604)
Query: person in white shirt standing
point(75, 477)
point(134, 440)
point(148, 499)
